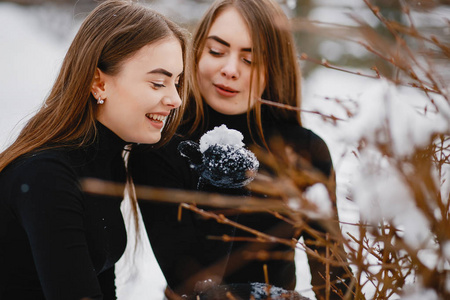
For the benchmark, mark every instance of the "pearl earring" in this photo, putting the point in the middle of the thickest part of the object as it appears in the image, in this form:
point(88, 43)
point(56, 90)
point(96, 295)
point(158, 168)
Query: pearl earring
point(100, 101)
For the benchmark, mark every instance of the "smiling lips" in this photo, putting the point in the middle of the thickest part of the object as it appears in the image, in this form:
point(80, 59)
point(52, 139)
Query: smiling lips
point(156, 117)
point(157, 120)
point(225, 90)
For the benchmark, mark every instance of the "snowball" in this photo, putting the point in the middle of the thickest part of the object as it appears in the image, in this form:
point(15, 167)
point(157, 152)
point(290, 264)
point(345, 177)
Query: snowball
point(221, 136)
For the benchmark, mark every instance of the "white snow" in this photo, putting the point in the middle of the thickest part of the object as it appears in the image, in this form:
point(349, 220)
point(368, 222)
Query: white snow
point(417, 292)
point(317, 195)
point(384, 111)
point(380, 192)
point(221, 135)
point(30, 59)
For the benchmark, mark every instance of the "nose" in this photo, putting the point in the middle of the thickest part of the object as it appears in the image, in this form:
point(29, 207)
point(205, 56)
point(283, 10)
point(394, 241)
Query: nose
point(230, 68)
point(173, 100)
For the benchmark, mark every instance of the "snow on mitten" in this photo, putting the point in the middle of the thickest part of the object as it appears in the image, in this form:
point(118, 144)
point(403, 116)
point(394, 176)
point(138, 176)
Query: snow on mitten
point(221, 159)
point(253, 290)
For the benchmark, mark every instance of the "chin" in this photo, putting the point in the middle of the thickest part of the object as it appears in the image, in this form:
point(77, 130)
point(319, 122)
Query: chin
point(227, 110)
point(147, 142)
point(152, 139)
point(233, 112)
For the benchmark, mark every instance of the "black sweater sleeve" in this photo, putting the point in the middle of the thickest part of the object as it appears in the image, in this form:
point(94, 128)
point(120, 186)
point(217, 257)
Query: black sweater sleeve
point(49, 205)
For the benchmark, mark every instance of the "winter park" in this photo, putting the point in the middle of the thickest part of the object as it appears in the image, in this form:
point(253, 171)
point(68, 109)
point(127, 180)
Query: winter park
point(374, 87)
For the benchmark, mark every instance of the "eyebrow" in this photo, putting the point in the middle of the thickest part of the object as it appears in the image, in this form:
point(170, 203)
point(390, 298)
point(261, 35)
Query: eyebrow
point(160, 71)
point(225, 43)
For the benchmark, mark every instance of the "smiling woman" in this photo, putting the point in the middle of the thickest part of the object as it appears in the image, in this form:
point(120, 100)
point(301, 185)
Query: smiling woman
point(140, 97)
point(119, 84)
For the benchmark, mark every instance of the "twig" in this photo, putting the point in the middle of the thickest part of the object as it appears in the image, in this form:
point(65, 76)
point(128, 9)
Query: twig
point(146, 193)
point(289, 107)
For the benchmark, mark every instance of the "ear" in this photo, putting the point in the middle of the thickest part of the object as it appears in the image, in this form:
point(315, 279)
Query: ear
point(98, 84)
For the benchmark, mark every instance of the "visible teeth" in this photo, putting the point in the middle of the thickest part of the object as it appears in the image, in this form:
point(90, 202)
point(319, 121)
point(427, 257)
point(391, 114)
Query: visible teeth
point(156, 117)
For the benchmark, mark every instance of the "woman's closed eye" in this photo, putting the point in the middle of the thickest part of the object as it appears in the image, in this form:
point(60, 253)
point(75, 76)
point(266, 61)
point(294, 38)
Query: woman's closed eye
point(157, 85)
point(215, 52)
point(247, 61)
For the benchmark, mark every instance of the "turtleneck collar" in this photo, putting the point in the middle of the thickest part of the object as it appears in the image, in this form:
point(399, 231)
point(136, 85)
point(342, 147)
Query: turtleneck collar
point(238, 122)
point(107, 142)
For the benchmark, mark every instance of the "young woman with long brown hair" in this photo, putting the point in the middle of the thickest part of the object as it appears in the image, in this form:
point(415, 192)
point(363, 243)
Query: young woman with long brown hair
point(120, 83)
point(242, 51)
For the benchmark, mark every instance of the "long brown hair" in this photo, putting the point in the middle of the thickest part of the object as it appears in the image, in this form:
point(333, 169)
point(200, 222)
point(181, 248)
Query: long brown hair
point(273, 53)
point(110, 34)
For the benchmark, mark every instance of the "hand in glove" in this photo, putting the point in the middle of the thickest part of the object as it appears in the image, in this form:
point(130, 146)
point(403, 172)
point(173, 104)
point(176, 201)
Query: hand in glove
point(220, 159)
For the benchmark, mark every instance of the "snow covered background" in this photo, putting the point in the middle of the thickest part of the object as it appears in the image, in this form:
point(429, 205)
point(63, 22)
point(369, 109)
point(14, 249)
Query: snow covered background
point(32, 50)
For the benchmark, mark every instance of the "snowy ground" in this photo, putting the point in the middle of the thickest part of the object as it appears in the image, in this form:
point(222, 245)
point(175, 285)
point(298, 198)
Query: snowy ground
point(31, 54)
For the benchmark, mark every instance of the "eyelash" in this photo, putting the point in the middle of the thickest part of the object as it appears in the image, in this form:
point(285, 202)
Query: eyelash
point(157, 85)
point(160, 85)
point(215, 53)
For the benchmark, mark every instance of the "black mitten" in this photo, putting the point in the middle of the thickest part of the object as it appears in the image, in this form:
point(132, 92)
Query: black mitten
point(220, 159)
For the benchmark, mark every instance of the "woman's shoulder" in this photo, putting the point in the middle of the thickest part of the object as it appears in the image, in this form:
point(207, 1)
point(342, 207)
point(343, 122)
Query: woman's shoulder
point(45, 176)
point(39, 165)
point(295, 133)
point(43, 156)
point(304, 142)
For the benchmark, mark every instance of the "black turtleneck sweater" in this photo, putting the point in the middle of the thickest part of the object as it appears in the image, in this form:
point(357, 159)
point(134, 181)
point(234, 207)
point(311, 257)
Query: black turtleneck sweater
point(57, 242)
point(183, 249)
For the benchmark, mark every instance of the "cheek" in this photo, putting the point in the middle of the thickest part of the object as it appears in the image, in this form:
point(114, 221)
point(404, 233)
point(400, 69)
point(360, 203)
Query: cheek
point(208, 66)
point(138, 94)
point(202, 70)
